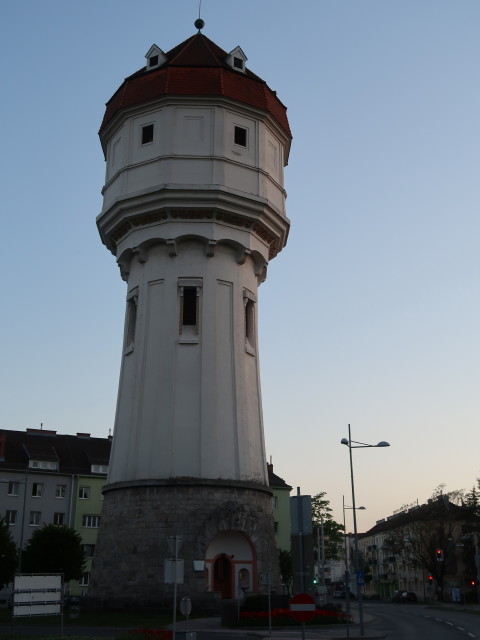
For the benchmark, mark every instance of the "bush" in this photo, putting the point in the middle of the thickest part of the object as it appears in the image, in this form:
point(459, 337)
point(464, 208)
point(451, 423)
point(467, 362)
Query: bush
point(283, 617)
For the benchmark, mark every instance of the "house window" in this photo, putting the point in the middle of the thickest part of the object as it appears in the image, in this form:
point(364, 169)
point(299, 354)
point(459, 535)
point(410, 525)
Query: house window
point(13, 488)
point(240, 136)
point(88, 550)
point(58, 518)
point(275, 527)
point(11, 517)
point(91, 522)
point(85, 579)
point(153, 61)
point(60, 490)
point(238, 63)
point(35, 517)
point(84, 493)
point(274, 502)
point(37, 489)
point(132, 303)
point(147, 134)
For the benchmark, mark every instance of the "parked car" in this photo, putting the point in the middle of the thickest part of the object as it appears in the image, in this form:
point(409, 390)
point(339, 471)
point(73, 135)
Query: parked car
point(403, 596)
point(71, 601)
point(342, 593)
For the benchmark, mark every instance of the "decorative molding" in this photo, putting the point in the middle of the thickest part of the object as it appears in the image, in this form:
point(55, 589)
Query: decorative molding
point(172, 248)
point(146, 219)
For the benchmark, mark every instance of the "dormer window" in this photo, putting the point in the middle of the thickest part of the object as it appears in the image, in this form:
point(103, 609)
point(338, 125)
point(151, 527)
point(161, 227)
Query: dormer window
point(155, 57)
point(237, 59)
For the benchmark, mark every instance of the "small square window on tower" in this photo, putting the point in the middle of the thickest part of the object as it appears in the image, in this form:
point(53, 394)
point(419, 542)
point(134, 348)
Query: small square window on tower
point(240, 136)
point(189, 309)
point(147, 134)
point(238, 63)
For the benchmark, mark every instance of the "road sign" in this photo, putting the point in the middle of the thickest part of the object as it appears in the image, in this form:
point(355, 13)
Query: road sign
point(360, 578)
point(302, 607)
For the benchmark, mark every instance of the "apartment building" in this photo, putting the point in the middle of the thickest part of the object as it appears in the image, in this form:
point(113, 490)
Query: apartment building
point(48, 478)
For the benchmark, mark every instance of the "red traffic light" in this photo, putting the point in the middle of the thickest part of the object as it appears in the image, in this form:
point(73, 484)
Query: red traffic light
point(439, 555)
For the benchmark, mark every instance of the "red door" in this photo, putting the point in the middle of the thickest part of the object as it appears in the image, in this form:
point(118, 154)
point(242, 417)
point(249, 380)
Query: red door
point(222, 576)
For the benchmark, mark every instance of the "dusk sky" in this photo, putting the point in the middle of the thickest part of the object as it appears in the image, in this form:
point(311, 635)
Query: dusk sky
point(371, 313)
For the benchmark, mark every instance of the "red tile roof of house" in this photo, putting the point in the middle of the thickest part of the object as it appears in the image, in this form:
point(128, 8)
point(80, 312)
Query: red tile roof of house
point(196, 67)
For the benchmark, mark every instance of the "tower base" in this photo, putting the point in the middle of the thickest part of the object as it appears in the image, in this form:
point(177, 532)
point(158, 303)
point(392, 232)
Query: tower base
point(225, 538)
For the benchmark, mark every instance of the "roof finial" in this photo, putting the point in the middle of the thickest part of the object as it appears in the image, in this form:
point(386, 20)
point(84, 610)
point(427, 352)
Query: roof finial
point(199, 23)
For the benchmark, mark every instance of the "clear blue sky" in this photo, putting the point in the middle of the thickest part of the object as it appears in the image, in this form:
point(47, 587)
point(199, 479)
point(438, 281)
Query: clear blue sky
point(370, 315)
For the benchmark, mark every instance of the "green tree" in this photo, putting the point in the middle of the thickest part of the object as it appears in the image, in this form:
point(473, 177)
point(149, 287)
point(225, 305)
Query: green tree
point(54, 549)
point(286, 570)
point(8, 555)
point(472, 503)
point(332, 531)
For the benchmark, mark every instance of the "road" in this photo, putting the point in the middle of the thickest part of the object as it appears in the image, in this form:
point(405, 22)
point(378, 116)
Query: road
point(393, 621)
point(416, 622)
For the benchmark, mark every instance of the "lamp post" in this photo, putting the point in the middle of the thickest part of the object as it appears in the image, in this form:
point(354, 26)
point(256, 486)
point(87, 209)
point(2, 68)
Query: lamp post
point(352, 444)
point(347, 572)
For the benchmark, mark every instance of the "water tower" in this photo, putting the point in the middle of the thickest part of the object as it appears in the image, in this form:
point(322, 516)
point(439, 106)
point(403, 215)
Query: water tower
point(194, 209)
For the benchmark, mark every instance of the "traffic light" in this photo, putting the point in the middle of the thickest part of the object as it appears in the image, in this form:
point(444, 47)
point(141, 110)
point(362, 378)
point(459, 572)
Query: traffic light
point(472, 582)
point(439, 555)
point(430, 580)
point(315, 581)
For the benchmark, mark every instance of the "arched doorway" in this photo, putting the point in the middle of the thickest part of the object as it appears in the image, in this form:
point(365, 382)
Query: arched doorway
point(222, 576)
point(231, 565)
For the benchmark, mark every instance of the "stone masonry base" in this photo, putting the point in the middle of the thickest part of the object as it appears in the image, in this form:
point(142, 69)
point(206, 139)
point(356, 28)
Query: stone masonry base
point(139, 517)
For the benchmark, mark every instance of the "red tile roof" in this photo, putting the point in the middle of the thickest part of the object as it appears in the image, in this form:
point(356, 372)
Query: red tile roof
point(196, 67)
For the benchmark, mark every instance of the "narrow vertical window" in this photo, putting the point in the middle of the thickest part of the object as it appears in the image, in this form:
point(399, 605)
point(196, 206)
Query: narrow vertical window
point(131, 321)
point(189, 320)
point(249, 300)
point(189, 307)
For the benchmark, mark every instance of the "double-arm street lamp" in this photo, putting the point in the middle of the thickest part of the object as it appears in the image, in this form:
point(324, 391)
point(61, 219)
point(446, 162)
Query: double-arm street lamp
point(352, 444)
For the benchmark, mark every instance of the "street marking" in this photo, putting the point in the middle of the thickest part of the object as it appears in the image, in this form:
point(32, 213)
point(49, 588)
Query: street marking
point(471, 635)
point(450, 623)
point(460, 628)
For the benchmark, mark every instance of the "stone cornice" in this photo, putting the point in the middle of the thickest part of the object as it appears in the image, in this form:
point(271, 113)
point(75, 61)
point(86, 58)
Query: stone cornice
point(188, 482)
point(168, 205)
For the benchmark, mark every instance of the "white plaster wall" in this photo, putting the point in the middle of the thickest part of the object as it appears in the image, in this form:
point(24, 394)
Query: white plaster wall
point(194, 145)
point(189, 409)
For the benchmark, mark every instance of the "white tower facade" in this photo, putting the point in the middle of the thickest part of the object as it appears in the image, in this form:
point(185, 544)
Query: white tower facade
point(195, 146)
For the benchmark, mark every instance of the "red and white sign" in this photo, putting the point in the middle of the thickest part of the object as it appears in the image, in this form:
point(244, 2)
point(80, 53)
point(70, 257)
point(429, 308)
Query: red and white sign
point(302, 607)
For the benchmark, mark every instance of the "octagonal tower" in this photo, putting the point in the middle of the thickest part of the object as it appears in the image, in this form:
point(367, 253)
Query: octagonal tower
point(194, 209)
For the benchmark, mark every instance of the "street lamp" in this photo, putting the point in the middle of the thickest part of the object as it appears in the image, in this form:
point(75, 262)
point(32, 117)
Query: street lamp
point(352, 444)
point(347, 572)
